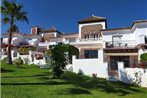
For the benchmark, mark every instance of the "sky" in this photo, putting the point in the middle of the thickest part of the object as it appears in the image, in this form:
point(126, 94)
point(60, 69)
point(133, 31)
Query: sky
point(65, 14)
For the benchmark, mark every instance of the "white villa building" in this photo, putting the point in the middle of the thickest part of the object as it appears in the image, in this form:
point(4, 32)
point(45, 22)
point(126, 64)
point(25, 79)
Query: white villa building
point(99, 47)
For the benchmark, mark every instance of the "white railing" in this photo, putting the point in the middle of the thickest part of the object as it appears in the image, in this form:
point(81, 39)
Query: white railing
point(77, 41)
point(88, 41)
point(56, 40)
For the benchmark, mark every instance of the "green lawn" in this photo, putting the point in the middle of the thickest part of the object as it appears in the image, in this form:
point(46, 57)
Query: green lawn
point(31, 82)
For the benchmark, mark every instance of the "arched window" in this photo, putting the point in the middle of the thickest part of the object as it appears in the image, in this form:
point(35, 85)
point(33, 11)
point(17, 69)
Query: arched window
point(95, 36)
point(86, 36)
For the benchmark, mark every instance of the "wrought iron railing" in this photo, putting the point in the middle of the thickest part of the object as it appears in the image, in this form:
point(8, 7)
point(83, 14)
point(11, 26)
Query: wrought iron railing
point(121, 44)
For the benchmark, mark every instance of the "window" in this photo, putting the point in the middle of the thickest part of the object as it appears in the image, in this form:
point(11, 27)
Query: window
point(95, 36)
point(87, 36)
point(91, 53)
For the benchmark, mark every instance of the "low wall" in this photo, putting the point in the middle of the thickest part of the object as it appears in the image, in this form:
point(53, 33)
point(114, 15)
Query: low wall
point(90, 66)
point(133, 75)
point(29, 57)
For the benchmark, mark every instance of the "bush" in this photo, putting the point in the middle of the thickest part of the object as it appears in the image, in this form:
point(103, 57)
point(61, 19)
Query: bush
point(23, 51)
point(143, 57)
point(80, 72)
point(18, 62)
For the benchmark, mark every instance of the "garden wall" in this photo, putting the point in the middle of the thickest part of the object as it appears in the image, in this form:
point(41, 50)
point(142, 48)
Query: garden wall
point(133, 75)
point(90, 66)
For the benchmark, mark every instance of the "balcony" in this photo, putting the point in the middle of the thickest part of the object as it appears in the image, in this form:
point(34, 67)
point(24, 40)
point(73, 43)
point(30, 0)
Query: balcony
point(72, 42)
point(121, 44)
point(87, 41)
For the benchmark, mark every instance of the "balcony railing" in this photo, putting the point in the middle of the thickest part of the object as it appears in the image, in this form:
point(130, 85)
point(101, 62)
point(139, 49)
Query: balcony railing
point(121, 44)
point(87, 41)
point(73, 42)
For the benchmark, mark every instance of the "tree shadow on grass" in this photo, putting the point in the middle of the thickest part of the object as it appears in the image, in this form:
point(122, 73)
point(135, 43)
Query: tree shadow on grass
point(6, 70)
point(78, 91)
point(42, 83)
point(73, 91)
point(37, 75)
point(118, 88)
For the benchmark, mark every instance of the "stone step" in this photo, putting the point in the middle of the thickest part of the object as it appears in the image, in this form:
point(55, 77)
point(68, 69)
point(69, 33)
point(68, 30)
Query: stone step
point(112, 78)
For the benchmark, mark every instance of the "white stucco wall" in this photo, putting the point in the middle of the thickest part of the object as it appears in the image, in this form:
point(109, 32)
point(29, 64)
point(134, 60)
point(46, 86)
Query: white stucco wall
point(127, 37)
point(5, 40)
point(133, 36)
point(127, 75)
point(139, 32)
point(90, 66)
point(15, 40)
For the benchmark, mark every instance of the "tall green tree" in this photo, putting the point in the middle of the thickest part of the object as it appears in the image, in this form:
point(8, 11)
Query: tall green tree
point(12, 12)
point(59, 56)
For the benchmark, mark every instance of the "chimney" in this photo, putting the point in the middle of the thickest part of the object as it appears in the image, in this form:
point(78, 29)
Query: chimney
point(34, 30)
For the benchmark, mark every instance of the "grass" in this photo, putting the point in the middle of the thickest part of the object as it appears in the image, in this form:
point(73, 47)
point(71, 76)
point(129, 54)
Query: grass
point(31, 82)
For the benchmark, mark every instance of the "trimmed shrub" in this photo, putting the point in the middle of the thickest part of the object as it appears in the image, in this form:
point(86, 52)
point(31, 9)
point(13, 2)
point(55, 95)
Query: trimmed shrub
point(18, 62)
point(143, 57)
point(80, 72)
point(23, 51)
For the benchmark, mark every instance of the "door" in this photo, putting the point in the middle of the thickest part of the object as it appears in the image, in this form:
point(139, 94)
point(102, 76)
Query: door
point(113, 64)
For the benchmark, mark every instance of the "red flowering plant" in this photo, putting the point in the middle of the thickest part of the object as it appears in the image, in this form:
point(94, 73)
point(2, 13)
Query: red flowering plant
point(140, 65)
point(94, 75)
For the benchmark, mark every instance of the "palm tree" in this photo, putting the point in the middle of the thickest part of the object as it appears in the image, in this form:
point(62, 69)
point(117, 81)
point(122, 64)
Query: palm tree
point(15, 29)
point(12, 12)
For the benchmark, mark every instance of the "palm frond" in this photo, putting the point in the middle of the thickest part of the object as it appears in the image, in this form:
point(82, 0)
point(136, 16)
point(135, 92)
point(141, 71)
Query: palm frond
point(22, 17)
point(15, 29)
point(11, 9)
point(6, 20)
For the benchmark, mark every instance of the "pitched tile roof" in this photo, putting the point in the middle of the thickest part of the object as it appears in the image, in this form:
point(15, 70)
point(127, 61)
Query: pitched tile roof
point(51, 29)
point(92, 19)
point(70, 35)
point(126, 28)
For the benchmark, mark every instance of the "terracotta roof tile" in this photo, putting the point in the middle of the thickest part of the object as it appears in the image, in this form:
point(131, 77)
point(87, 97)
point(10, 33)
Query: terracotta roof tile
point(92, 19)
point(70, 35)
point(125, 28)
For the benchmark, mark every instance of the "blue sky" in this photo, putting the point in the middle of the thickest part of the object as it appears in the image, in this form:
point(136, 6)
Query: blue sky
point(65, 14)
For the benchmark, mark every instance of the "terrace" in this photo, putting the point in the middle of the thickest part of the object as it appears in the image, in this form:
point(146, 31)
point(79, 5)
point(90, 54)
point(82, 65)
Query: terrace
point(121, 44)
